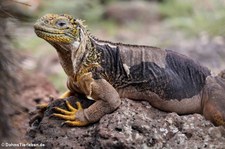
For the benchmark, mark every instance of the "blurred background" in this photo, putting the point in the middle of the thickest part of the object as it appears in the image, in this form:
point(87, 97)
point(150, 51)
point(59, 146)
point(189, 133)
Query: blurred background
point(192, 27)
point(29, 66)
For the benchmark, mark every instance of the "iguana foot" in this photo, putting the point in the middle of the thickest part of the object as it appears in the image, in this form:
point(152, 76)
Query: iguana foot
point(38, 114)
point(69, 115)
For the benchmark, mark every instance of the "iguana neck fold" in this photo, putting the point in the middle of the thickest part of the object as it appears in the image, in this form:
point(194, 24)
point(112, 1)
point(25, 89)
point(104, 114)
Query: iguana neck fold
point(71, 56)
point(65, 57)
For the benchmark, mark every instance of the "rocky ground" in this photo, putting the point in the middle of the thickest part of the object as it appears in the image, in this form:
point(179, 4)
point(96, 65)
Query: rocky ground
point(133, 125)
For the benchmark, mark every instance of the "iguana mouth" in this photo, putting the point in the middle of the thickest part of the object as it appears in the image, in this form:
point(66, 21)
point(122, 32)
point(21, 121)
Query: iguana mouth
point(53, 35)
point(47, 31)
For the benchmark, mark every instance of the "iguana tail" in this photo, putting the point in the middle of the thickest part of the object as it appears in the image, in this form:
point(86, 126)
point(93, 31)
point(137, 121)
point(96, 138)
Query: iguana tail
point(213, 101)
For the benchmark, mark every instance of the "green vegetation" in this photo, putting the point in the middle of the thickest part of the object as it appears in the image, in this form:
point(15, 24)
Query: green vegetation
point(194, 16)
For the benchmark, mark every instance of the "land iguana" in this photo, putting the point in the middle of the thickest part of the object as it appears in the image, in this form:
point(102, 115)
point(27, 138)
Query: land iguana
point(106, 72)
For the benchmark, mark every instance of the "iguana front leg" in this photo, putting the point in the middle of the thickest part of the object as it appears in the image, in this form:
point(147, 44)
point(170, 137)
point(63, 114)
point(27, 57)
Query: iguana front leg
point(106, 97)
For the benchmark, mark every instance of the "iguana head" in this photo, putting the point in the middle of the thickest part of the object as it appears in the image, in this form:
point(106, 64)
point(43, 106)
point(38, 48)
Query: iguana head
point(69, 37)
point(56, 28)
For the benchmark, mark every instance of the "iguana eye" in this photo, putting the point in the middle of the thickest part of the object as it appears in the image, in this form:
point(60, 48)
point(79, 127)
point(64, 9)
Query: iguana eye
point(62, 23)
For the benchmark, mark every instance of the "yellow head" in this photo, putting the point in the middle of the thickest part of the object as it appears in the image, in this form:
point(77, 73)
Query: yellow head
point(56, 28)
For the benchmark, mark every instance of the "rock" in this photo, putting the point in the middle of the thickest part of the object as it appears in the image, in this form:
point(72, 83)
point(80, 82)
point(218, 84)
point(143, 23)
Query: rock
point(135, 124)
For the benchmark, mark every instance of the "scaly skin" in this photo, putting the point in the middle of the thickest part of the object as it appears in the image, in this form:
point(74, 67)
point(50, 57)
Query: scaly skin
point(106, 71)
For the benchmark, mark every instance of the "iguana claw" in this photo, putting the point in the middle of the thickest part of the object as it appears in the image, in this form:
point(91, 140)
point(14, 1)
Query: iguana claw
point(74, 123)
point(41, 108)
point(69, 115)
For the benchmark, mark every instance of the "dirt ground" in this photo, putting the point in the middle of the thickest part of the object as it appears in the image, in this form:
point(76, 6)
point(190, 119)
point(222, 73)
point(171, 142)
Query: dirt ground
point(34, 89)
